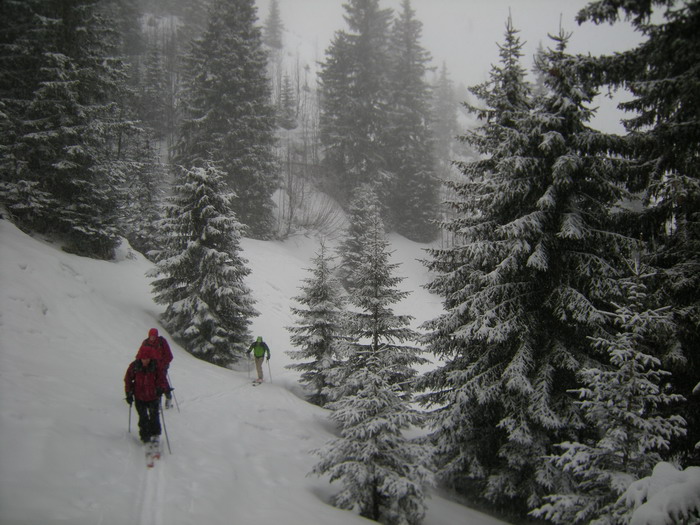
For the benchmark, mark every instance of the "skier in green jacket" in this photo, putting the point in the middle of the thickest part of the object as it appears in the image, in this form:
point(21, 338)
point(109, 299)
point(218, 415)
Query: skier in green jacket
point(259, 349)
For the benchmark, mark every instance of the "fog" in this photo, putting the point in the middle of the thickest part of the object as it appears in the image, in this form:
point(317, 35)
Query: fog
point(464, 34)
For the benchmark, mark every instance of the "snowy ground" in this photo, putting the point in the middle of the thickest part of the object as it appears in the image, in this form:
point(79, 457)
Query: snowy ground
point(69, 327)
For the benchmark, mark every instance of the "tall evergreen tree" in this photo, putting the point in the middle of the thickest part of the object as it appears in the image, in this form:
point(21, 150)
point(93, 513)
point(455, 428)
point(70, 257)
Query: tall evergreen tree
point(274, 28)
point(125, 18)
point(621, 405)
point(143, 187)
point(444, 124)
point(153, 99)
point(467, 436)
point(194, 15)
point(273, 38)
point(533, 258)
point(663, 143)
point(229, 116)
point(19, 61)
point(414, 197)
point(383, 473)
point(318, 333)
point(446, 147)
point(136, 159)
point(59, 123)
point(351, 247)
point(354, 99)
point(287, 107)
point(200, 273)
point(335, 121)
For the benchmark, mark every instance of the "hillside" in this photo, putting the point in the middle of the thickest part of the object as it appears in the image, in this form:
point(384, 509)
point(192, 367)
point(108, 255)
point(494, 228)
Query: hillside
point(69, 327)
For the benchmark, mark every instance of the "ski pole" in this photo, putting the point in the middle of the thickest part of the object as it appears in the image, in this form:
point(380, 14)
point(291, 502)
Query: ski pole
point(129, 418)
point(165, 428)
point(172, 391)
point(268, 369)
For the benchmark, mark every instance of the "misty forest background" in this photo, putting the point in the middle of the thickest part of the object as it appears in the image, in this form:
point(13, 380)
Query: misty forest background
point(567, 259)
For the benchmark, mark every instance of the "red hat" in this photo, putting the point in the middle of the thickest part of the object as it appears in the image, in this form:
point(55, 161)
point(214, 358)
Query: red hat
point(147, 352)
point(153, 331)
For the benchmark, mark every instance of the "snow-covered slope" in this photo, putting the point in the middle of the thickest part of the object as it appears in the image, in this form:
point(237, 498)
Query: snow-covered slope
point(69, 327)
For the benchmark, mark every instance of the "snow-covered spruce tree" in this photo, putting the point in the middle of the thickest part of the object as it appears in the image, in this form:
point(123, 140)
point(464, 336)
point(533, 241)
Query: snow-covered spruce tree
point(153, 97)
point(413, 203)
point(318, 330)
point(626, 431)
point(383, 473)
point(532, 260)
point(200, 273)
point(354, 95)
point(59, 119)
point(273, 30)
point(444, 125)
point(228, 116)
point(445, 129)
point(195, 14)
point(273, 40)
point(467, 437)
point(664, 142)
point(141, 207)
point(287, 107)
point(350, 249)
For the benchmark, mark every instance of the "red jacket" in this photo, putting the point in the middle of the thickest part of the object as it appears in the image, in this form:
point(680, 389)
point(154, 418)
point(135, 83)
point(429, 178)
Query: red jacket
point(145, 382)
point(163, 349)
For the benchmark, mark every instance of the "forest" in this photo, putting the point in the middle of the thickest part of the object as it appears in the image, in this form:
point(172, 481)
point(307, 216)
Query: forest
point(567, 259)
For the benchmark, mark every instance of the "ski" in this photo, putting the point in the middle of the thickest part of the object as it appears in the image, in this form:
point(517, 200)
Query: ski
point(152, 453)
point(256, 383)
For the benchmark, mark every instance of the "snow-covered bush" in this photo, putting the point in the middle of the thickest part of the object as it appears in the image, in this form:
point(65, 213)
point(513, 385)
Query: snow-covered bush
point(669, 496)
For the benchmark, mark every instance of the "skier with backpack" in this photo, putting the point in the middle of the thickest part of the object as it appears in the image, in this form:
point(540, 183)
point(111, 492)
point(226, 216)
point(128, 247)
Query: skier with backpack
point(144, 383)
point(165, 356)
point(260, 350)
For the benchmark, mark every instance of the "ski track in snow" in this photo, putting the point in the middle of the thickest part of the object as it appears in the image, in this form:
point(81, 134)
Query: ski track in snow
point(149, 493)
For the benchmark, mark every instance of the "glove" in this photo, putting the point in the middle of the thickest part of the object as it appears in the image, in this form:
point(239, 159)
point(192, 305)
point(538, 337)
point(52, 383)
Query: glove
point(168, 395)
point(130, 398)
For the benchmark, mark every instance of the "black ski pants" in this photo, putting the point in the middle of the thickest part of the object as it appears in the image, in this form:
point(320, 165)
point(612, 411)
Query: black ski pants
point(149, 418)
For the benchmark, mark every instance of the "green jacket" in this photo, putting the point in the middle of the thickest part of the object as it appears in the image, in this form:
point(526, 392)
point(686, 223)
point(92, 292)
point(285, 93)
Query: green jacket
point(259, 348)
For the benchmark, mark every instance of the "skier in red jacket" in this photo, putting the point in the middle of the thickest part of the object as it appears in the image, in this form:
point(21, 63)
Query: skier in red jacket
point(144, 383)
point(165, 356)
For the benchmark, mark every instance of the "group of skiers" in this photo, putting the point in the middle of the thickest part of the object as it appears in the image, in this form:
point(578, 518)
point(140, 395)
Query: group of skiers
point(146, 380)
